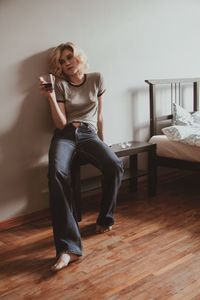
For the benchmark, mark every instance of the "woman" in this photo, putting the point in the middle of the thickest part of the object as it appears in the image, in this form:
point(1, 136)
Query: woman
point(76, 108)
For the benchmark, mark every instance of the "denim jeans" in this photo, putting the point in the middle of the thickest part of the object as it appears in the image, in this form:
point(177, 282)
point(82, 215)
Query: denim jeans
point(65, 144)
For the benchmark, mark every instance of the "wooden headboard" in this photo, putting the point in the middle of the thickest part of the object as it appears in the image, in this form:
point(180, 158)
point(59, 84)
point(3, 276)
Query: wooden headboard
point(175, 85)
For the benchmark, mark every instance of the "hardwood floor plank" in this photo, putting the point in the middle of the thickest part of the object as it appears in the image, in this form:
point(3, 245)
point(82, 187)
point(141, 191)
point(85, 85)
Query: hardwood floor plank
point(170, 266)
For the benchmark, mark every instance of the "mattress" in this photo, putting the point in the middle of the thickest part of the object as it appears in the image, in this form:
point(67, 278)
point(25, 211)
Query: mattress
point(172, 149)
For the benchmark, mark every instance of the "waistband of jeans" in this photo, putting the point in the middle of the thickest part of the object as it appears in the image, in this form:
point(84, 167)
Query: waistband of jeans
point(79, 124)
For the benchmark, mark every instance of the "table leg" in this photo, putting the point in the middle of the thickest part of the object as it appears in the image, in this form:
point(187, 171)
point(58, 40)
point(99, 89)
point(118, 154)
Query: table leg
point(133, 164)
point(152, 170)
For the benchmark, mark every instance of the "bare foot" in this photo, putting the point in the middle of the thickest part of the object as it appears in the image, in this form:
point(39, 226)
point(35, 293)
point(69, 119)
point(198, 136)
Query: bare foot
point(102, 229)
point(63, 261)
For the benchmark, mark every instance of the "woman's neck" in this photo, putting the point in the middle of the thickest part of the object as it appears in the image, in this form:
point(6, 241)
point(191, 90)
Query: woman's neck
point(76, 78)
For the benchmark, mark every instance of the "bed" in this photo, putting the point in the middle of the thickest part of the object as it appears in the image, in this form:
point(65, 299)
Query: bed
point(171, 152)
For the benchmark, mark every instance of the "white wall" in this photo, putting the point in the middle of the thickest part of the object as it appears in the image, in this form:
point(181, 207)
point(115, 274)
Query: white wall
point(128, 41)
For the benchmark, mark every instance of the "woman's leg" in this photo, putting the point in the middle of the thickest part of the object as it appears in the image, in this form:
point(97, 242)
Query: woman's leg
point(65, 226)
point(101, 155)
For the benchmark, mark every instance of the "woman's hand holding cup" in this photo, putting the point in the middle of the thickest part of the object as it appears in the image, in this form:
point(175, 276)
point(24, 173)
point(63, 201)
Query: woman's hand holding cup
point(46, 84)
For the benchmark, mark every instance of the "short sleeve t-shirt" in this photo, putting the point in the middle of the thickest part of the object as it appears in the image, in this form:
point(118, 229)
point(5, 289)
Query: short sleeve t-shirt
point(81, 101)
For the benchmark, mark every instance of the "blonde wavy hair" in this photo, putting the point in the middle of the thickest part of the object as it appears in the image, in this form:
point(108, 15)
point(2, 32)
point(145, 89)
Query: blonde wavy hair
point(54, 61)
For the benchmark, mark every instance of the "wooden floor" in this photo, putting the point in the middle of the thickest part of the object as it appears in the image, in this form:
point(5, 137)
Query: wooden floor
point(153, 251)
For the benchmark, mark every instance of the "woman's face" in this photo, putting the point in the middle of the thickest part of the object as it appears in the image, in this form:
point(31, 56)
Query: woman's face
point(68, 62)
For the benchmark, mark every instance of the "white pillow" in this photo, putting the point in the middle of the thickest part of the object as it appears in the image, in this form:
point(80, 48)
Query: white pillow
point(196, 117)
point(178, 132)
point(183, 117)
point(192, 139)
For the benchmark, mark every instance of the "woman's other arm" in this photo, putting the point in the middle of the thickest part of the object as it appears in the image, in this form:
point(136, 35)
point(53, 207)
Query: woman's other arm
point(58, 113)
point(100, 118)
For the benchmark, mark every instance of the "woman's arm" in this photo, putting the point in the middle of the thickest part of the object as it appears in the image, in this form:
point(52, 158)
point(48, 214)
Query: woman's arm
point(58, 111)
point(100, 118)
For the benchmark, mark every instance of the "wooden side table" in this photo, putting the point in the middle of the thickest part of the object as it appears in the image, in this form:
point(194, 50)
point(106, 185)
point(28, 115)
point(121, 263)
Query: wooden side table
point(132, 151)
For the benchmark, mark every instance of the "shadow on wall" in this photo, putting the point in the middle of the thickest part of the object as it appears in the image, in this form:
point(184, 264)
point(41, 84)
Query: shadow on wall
point(140, 113)
point(140, 119)
point(23, 170)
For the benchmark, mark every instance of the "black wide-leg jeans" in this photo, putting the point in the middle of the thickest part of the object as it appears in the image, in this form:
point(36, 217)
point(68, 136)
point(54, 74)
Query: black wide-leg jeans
point(64, 145)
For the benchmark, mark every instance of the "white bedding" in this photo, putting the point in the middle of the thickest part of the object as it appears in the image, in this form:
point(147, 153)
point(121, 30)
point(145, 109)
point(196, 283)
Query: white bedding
point(173, 149)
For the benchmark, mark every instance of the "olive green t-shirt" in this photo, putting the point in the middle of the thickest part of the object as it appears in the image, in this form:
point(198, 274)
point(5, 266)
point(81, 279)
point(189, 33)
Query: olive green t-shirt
point(81, 101)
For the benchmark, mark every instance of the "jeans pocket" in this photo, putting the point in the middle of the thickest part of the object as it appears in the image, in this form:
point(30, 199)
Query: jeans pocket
point(92, 128)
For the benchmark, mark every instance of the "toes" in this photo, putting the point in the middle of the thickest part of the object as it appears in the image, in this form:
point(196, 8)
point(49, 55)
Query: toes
point(61, 263)
point(102, 229)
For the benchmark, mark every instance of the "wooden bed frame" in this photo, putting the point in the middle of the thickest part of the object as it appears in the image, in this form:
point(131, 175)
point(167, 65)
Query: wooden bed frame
point(176, 85)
